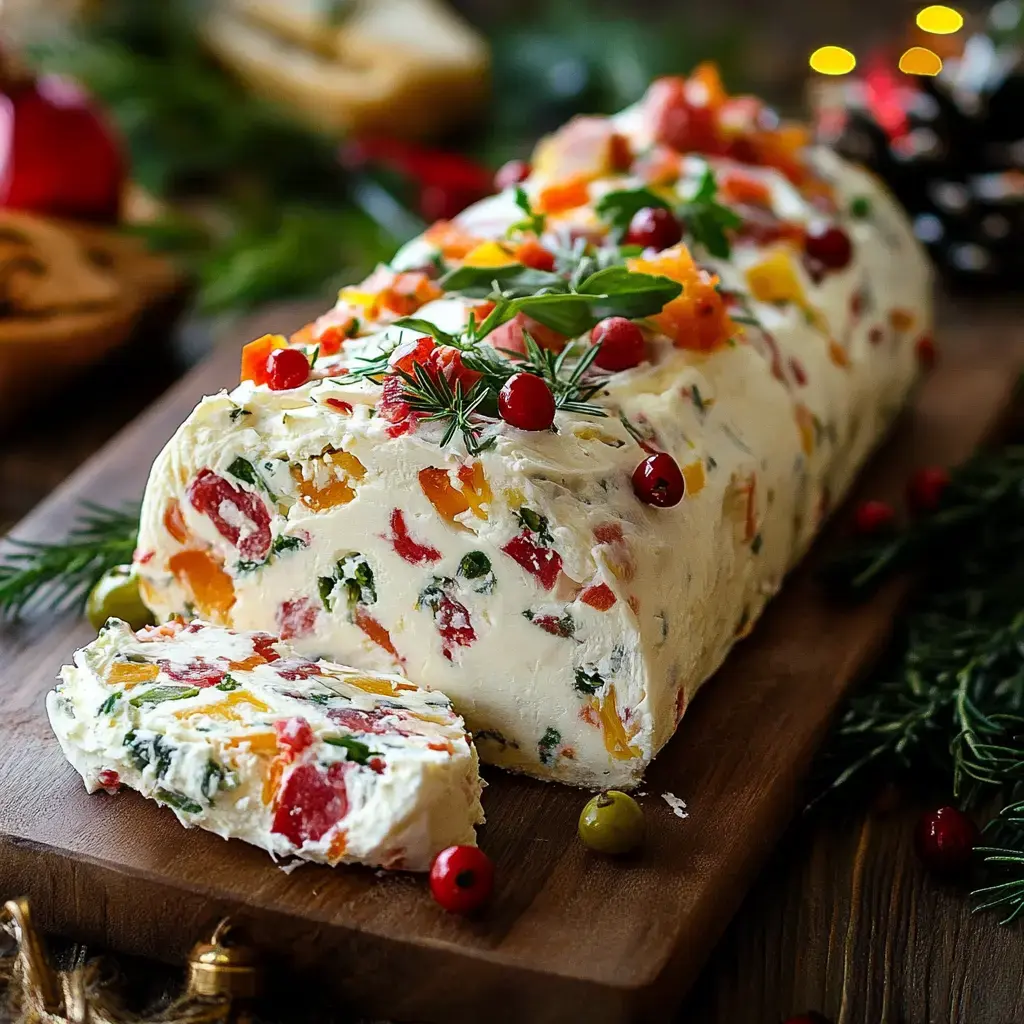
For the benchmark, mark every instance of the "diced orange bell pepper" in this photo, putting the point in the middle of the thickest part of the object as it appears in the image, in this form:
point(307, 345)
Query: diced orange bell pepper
point(408, 292)
point(247, 664)
point(174, 522)
point(616, 740)
point(489, 254)
point(374, 630)
point(211, 589)
point(566, 195)
point(337, 847)
point(450, 501)
point(369, 684)
point(338, 491)
point(227, 708)
point(706, 79)
point(272, 780)
point(128, 674)
point(697, 318)
point(738, 187)
point(453, 241)
point(532, 254)
point(256, 354)
point(263, 744)
point(805, 424)
point(695, 477)
point(304, 335)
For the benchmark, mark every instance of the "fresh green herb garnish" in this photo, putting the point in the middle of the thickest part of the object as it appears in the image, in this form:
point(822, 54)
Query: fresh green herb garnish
point(228, 683)
point(59, 576)
point(354, 575)
point(107, 706)
point(587, 682)
point(535, 523)
point(159, 694)
point(355, 749)
point(860, 207)
point(547, 744)
point(438, 402)
point(475, 566)
point(532, 222)
point(286, 543)
point(512, 281)
point(706, 220)
point(618, 208)
point(213, 778)
point(152, 751)
point(178, 800)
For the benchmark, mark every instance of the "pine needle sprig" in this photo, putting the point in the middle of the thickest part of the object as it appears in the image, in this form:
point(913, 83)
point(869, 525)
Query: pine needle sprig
point(437, 401)
point(59, 576)
point(947, 707)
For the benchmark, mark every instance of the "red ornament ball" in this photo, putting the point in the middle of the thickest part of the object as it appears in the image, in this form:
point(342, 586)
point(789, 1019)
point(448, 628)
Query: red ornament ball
point(829, 245)
point(510, 174)
point(287, 368)
point(926, 488)
point(874, 517)
point(945, 839)
point(654, 227)
point(622, 344)
point(58, 154)
point(461, 879)
point(658, 481)
point(525, 401)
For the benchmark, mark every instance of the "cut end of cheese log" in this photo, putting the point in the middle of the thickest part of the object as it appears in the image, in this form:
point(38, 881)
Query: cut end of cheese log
point(240, 735)
point(569, 622)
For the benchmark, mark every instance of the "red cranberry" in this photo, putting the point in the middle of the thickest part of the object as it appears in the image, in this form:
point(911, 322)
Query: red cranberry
point(658, 481)
point(525, 401)
point(925, 490)
point(829, 245)
point(512, 173)
point(58, 155)
point(945, 840)
point(622, 344)
point(874, 517)
point(654, 227)
point(287, 368)
point(461, 879)
point(925, 349)
point(109, 780)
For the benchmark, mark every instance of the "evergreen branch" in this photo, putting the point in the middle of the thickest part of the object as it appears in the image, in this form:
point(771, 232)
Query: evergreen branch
point(60, 576)
point(436, 401)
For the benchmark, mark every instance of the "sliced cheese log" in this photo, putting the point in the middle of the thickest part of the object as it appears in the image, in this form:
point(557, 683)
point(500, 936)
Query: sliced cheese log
point(242, 736)
point(570, 623)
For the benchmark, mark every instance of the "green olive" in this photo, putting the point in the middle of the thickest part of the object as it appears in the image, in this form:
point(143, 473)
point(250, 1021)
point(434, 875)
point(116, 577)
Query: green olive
point(612, 822)
point(116, 596)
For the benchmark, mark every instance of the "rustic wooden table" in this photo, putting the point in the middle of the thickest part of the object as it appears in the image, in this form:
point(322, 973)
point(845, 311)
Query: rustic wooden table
point(843, 920)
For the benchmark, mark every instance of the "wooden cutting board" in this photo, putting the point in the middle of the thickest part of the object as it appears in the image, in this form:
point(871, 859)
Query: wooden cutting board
point(570, 935)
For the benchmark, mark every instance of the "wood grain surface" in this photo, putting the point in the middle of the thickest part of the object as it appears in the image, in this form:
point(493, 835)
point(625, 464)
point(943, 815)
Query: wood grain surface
point(570, 936)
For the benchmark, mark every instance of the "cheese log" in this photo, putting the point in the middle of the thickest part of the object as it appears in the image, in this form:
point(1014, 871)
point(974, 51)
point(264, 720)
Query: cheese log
point(570, 623)
point(240, 735)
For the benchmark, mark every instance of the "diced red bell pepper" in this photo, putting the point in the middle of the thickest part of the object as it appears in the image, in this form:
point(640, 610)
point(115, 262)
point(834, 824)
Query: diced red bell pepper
point(310, 803)
point(208, 493)
point(543, 563)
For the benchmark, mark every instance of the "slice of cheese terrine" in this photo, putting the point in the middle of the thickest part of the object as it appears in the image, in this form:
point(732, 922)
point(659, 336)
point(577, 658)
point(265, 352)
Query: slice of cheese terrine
point(361, 507)
point(240, 735)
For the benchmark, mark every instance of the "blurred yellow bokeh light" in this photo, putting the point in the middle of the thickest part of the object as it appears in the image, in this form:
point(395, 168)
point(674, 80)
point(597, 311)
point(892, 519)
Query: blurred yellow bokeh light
point(940, 20)
point(832, 60)
point(919, 61)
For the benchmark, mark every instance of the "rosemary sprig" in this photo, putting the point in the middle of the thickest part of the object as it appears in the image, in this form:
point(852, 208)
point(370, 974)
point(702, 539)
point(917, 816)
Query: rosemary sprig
point(437, 401)
point(59, 576)
point(948, 705)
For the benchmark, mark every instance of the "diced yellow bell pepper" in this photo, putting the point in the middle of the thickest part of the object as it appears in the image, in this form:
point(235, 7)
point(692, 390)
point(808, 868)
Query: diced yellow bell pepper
point(616, 740)
point(774, 279)
point(128, 674)
point(489, 254)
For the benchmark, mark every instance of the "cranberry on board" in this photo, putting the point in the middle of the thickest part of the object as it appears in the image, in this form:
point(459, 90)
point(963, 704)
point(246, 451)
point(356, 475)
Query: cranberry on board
point(511, 173)
point(654, 227)
point(58, 155)
point(945, 839)
point(925, 489)
point(622, 344)
point(658, 481)
point(873, 517)
point(287, 368)
point(461, 879)
point(209, 493)
point(525, 401)
point(829, 245)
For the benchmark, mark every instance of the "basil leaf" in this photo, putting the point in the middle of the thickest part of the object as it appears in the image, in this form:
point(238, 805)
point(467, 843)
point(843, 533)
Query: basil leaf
point(243, 469)
point(621, 292)
point(355, 749)
point(426, 327)
point(159, 694)
point(707, 220)
point(618, 208)
point(513, 281)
